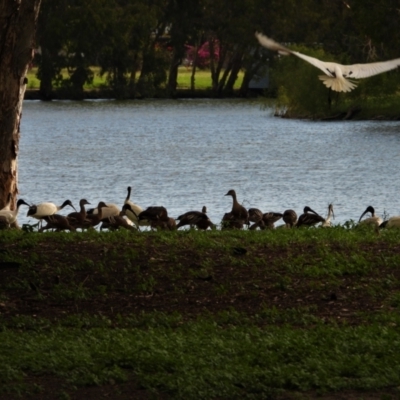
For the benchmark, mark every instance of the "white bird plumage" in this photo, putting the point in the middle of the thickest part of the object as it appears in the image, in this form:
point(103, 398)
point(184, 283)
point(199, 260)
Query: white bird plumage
point(328, 223)
point(110, 210)
point(133, 212)
point(10, 216)
point(45, 209)
point(336, 75)
point(392, 222)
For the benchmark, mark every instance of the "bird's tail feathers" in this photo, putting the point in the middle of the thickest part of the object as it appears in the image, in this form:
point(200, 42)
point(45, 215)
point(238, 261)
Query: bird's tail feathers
point(337, 84)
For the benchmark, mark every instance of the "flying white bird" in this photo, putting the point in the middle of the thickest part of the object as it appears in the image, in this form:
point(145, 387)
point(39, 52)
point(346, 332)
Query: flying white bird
point(336, 75)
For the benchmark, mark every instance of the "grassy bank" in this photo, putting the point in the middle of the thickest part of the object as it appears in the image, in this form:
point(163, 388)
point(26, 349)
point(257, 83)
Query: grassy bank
point(273, 314)
point(202, 79)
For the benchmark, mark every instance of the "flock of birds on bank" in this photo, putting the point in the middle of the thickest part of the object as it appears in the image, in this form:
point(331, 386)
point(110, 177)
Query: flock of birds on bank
point(132, 217)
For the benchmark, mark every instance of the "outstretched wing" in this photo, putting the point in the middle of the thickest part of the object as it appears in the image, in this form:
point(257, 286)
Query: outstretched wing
point(359, 71)
point(356, 71)
point(271, 44)
point(326, 67)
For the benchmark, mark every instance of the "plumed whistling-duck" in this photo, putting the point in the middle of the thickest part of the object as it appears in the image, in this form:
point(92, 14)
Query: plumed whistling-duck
point(194, 218)
point(115, 222)
point(289, 218)
point(229, 221)
point(94, 219)
point(255, 214)
point(57, 222)
point(77, 219)
point(238, 211)
point(158, 218)
point(267, 221)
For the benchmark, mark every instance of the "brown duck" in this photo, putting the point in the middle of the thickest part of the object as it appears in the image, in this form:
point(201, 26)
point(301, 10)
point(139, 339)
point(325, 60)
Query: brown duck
point(94, 219)
point(290, 218)
point(238, 212)
point(57, 222)
point(77, 218)
point(195, 218)
point(118, 221)
point(158, 218)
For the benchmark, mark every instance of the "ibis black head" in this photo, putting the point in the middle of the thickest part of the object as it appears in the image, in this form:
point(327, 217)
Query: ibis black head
point(21, 201)
point(127, 207)
point(308, 209)
point(67, 203)
point(369, 209)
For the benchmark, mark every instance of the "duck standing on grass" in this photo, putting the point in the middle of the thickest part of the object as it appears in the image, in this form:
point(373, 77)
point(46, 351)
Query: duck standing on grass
point(238, 217)
point(77, 219)
point(158, 218)
point(289, 218)
point(199, 219)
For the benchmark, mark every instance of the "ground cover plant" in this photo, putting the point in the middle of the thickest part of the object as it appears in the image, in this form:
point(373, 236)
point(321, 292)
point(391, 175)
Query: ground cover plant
point(303, 313)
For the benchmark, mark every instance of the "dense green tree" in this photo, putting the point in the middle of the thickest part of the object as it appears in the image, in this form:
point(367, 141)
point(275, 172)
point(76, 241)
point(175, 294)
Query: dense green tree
point(86, 31)
point(50, 41)
point(128, 38)
point(184, 20)
point(139, 44)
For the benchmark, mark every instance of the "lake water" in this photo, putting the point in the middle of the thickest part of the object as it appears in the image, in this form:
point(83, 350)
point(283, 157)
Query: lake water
point(184, 154)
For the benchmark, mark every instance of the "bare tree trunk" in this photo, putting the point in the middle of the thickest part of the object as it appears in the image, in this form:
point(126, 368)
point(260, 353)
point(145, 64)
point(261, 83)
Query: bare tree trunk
point(194, 66)
point(236, 66)
point(18, 20)
point(173, 73)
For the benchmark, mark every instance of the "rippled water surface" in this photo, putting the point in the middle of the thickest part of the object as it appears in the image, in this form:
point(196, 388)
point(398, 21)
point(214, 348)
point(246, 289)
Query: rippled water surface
point(184, 154)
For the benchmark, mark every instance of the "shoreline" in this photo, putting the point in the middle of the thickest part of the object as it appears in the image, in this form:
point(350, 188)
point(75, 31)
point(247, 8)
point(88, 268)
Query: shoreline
point(106, 94)
point(96, 94)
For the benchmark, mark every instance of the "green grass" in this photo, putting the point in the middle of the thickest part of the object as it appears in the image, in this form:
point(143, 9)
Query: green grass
point(303, 342)
point(201, 360)
point(202, 79)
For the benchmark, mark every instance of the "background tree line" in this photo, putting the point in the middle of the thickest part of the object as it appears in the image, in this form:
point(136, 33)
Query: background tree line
point(139, 44)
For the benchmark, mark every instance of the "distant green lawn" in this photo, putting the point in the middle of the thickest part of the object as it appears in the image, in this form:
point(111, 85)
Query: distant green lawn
point(202, 79)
